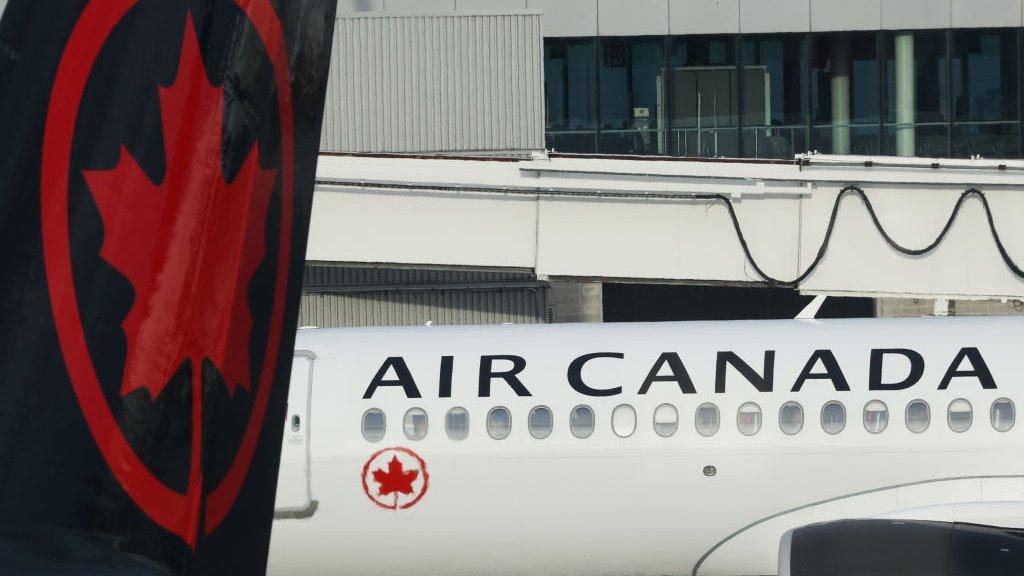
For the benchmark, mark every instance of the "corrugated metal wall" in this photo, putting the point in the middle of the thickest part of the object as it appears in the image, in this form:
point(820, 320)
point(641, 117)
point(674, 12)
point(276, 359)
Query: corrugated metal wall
point(343, 296)
point(436, 83)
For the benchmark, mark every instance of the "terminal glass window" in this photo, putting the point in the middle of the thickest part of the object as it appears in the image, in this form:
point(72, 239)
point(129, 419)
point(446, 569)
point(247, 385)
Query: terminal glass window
point(415, 424)
point(791, 418)
point(540, 422)
point(833, 417)
point(666, 420)
point(631, 96)
point(1003, 414)
point(373, 425)
point(456, 423)
point(960, 415)
point(570, 89)
point(748, 418)
point(845, 93)
point(704, 96)
point(984, 91)
point(775, 88)
point(916, 106)
point(581, 421)
point(918, 416)
point(876, 416)
point(499, 423)
point(623, 420)
point(707, 419)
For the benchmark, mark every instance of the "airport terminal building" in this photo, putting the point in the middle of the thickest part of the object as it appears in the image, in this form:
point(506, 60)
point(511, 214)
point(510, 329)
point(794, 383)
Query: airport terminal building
point(671, 87)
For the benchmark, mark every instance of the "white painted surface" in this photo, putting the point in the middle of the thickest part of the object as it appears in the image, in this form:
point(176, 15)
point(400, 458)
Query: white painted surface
point(634, 18)
point(567, 17)
point(913, 14)
point(545, 215)
point(419, 6)
point(490, 4)
point(986, 13)
point(829, 15)
point(641, 505)
point(704, 16)
point(758, 16)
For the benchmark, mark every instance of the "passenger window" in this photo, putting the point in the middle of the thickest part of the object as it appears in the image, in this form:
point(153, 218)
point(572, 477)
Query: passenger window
point(581, 421)
point(960, 415)
point(623, 420)
point(666, 420)
point(791, 418)
point(748, 418)
point(499, 423)
point(707, 419)
point(876, 416)
point(540, 422)
point(373, 425)
point(415, 424)
point(833, 417)
point(919, 416)
point(1003, 414)
point(456, 423)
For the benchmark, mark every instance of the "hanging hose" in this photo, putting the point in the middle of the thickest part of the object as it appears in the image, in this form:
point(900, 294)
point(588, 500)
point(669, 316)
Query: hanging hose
point(771, 280)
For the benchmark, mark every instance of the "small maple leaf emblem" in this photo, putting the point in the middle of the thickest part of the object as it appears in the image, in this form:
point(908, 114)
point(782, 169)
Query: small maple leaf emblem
point(396, 479)
point(189, 244)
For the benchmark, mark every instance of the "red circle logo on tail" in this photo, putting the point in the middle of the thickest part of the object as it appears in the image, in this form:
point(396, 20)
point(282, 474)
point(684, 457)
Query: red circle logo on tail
point(188, 242)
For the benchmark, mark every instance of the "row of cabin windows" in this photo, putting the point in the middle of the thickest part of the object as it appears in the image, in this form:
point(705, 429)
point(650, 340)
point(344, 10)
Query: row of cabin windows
point(540, 423)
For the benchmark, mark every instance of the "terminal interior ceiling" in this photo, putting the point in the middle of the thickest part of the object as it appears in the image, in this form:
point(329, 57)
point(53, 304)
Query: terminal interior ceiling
point(930, 93)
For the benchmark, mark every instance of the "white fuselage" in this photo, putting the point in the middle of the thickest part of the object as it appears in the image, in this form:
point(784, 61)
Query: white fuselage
point(644, 504)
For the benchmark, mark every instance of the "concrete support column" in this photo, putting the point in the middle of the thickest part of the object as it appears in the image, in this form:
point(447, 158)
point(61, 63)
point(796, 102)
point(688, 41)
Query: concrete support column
point(906, 100)
point(840, 61)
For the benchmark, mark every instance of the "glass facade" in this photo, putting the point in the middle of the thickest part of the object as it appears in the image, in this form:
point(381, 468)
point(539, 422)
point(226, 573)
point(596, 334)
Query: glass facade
point(941, 93)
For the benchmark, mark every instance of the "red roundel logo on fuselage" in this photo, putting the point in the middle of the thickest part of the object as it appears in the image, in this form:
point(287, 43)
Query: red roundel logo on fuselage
point(395, 478)
point(187, 231)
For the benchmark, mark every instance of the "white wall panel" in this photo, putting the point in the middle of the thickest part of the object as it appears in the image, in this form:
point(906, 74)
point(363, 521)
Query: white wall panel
point(391, 226)
point(346, 7)
point(419, 6)
point(657, 240)
point(912, 14)
point(633, 18)
point(828, 15)
point(704, 16)
point(490, 5)
point(758, 16)
point(986, 13)
point(435, 83)
point(567, 17)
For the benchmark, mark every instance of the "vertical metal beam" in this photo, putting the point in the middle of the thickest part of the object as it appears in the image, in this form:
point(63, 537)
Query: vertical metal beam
point(740, 99)
point(666, 94)
point(597, 96)
point(949, 93)
point(809, 93)
point(840, 81)
point(883, 89)
point(906, 100)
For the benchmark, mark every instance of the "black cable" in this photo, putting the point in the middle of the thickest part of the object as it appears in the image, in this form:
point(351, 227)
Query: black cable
point(768, 279)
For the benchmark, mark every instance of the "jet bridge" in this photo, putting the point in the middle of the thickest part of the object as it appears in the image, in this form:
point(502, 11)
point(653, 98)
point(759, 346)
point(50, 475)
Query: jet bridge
point(836, 225)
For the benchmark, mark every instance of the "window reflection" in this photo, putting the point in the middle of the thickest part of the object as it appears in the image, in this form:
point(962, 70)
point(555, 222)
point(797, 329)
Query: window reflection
point(775, 87)
point(631, 96)
point(845, 89)
point(704, 96)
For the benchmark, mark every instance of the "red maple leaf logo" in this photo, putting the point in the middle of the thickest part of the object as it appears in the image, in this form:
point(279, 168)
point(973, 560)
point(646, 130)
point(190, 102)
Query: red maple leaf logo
point(189, 244)
point(396, 479)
